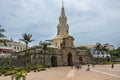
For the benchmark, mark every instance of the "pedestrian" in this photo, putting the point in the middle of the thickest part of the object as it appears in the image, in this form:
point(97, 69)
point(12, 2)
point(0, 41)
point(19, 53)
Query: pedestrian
point(80, 66)
point(77, 66)
point(93, 65)
point(112, 65)
point(88, 67)
point(72, 65)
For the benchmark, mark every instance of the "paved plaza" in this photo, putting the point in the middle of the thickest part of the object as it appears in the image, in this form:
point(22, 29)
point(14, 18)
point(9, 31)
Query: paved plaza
point(100, 72)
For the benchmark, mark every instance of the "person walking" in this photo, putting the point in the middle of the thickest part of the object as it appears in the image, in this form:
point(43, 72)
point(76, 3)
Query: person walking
point(93, 65)
point(77, 66)
point(112, 65)
point(88, 67)
point(72, 65)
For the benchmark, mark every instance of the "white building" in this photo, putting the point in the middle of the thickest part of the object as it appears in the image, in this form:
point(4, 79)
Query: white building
point(97, 54)
point(15, 46)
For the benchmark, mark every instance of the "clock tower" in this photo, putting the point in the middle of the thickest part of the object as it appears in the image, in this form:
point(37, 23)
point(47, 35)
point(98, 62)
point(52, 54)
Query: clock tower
point(62, 32)
point(62, 28)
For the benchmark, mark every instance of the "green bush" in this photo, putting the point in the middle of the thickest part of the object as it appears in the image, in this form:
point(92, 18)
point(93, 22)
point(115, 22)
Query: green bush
point(37, 67)
point(28, 67)
point(47, 66)
point(41, 69)
point(21, 74)
point(2, 71)
point(7, 68)
point(11, 72)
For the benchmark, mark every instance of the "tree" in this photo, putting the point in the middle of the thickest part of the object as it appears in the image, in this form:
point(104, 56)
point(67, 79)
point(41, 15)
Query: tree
point(118, 50)
point(81, 48)
point(26, 39)
point(5, 61)
point(98, 48)
point(2, 36)
point(115, 53)
point(44, 46)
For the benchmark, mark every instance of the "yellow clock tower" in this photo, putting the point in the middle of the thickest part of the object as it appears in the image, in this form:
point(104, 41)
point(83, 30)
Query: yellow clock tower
point(62, 32)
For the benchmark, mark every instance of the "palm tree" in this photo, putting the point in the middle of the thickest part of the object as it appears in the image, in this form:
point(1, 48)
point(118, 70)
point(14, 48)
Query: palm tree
point(3, 41)
point(98, 48)
point(44, 46)
point(2, 36)
point(26, 39)
point(104, 48)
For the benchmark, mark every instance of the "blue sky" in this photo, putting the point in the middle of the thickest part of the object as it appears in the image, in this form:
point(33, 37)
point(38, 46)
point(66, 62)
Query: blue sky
point(90, 21)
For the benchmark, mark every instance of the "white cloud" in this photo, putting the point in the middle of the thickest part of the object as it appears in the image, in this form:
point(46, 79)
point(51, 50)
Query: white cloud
point(89, 20)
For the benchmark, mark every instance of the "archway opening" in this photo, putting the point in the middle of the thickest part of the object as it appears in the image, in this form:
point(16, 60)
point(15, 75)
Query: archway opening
point(70, 61)
point(53, 61)
point(81, 60)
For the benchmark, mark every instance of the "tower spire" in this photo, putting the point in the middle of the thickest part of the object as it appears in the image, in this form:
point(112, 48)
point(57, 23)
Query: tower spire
point(62, 18)
point(62, 9)
point(62, 3)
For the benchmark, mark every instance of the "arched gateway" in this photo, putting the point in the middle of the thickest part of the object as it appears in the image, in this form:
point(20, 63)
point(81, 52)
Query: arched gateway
point(53, 61)
point(70, 61)
point(81, 59)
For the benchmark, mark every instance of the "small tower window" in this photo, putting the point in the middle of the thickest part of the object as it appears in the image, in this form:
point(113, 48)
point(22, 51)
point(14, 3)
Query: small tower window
point(17, 48)
point(14, 47)
point(55, 43)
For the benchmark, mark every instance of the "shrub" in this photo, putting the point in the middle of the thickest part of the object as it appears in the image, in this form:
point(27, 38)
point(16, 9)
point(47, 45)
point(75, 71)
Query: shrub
point(10, 72)
point(19, 75)
point(2, 71)
point(41, 69)
point(28, 67)
point(47, 66)
point(27, 71)
point(7, 68)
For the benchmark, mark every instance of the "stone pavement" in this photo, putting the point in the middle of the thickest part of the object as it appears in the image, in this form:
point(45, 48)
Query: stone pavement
point(100, 72)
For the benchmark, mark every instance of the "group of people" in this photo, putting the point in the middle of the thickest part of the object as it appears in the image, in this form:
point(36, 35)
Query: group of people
point(78, 65)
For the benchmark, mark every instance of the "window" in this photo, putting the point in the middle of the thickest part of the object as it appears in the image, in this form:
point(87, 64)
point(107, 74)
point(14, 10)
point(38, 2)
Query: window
point(55, 43)
point(17, 48)
point(14, 47)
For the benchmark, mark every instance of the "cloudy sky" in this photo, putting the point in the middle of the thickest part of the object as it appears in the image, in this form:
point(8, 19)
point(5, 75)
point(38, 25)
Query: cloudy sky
point(90, 21)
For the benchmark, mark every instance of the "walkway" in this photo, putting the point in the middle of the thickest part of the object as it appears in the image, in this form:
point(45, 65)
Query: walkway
point(100, 72)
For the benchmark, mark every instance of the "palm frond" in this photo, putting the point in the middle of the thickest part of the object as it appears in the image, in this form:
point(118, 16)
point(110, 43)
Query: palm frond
point(2, 30)
point(2, 35)
point(27, 38)
point(3, 41)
